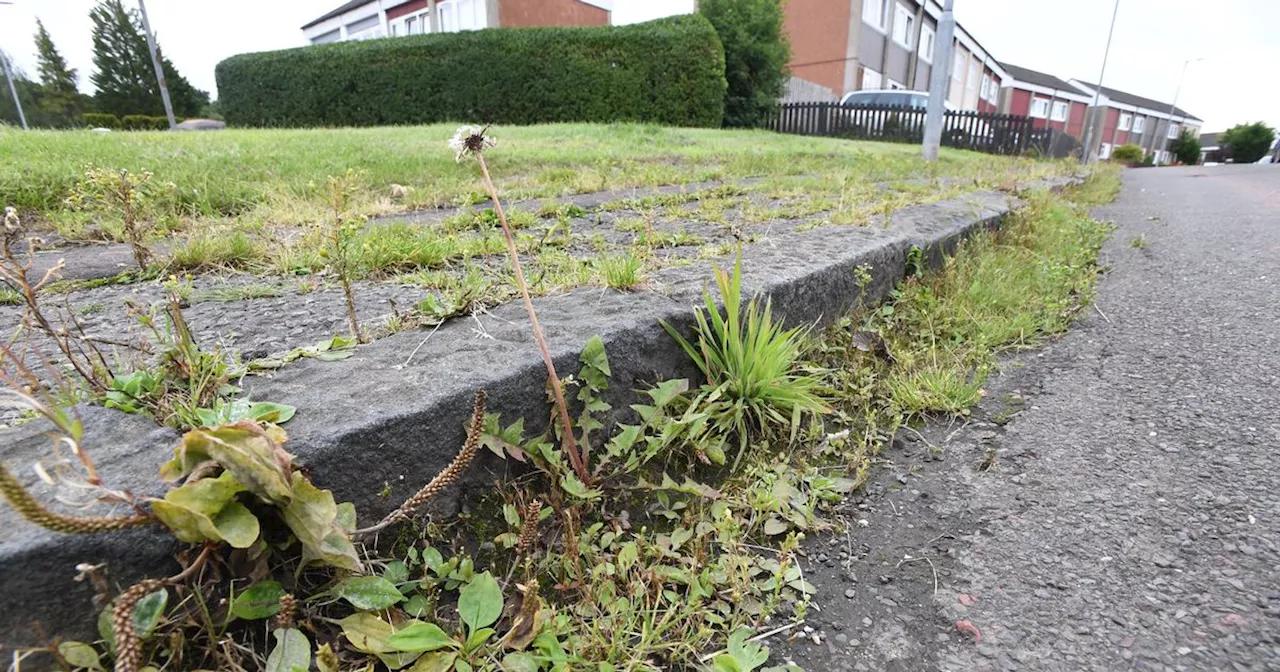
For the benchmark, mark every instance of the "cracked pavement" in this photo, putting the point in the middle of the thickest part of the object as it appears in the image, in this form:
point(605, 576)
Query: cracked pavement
point(1130, 519)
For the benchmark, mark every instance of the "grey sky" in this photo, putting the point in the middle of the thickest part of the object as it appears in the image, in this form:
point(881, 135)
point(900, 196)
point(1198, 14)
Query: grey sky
point(1233, 84)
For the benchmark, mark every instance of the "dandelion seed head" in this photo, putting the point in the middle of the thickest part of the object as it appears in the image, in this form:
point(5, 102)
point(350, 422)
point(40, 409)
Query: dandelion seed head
point(471, 141)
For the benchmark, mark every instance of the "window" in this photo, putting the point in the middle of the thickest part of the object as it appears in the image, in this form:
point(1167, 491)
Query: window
point(904, 25)
point(1126, 122)
point(1039, 108)
point(874, 13)
point(973, 76)
point(411, 26)
point(1059, 112)
point(394, 28)
point(1139, 123)
point(457, 15)
point(926, 44)
point(870, 79)
point(331, 36)
point(957, 65)
point(1173, 131)
point(1104, 152)
point(986, 87)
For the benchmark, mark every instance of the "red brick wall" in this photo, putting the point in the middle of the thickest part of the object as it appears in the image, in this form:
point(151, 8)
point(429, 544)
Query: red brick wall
point(819, 33)
point(1020, 103)
point(406, 8)
point(1075, 120)
point(523, 13)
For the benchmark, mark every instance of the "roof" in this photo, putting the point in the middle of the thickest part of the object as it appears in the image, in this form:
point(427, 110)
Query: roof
point(1030, 76)
point(346, 7)
point(1139, 101)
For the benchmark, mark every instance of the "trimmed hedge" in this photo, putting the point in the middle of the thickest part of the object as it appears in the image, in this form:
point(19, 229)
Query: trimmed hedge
point(669, 71)
point(101, 120)
point(143, 122)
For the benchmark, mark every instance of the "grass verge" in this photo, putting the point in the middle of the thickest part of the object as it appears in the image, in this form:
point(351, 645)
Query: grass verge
point(640, 570)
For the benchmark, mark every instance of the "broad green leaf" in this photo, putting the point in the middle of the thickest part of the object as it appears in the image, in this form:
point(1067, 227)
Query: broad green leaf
point(396, 572)
point(520, 662)
point(666, 391)
point(575, 487)
point(417, 606)
point(346, 519)
point(421, 637)
point(261, 600)
point(480, 602)
point(368, 592)
point(80, 655)
point(266, 411)
point(147, 613)
point(774, 526)
point(437, 661)
point(292, 652)
point(368, 634)
point(594, 357)
point(478, 639)
point(204, 510)
point(313, 518)
point(251, 452)
point(462, 666)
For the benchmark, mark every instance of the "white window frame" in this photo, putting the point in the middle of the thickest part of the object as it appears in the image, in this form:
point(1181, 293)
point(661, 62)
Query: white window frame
point(1173, 131)
point(1125, 123)
point(973, 76)
point(1058, 111)
point(875, 13)
point(1139, 123)
point(904, 27)
point(1039, 108)
point(926, 44)
point(986, 87)
point(868, 72)
point(1104, 151)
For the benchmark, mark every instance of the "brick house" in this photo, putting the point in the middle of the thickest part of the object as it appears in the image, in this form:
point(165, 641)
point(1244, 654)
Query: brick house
point(370, 19)
point(841, 46)
point(1122, 118)
point(1049, 101)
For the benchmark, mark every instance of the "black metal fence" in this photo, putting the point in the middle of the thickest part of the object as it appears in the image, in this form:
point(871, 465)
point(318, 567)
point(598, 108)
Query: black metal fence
point(979, 131)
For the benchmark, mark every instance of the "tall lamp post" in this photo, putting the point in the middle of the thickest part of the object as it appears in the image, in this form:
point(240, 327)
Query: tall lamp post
point(13, 90)
point(938, 82)
point(155, 60)
point(1097, 93)
point(1168, 125)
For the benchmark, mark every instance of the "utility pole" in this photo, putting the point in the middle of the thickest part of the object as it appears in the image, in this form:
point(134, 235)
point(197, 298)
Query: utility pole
point(1168, 124)
point(13, 90)
point(155, 60)
point(1092, 116)
point(938, 76)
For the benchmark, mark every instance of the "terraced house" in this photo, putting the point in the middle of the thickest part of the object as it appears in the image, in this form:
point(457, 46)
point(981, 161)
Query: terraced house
point(1049, 101)
point(1122, 118)
point(371, 19)
point(841, 46)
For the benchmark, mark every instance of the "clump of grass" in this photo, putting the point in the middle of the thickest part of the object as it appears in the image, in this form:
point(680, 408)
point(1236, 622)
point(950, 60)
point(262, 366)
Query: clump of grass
point(752, 368)
point(215, 249)
point(230, 293)
point(1139, 242)
point(622, 271)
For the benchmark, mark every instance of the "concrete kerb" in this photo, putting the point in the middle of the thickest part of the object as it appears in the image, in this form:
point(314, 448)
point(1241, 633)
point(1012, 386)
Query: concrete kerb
point(376, 426)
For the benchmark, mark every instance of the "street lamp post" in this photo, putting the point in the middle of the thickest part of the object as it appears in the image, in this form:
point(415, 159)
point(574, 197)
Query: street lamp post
point(13, 90)
point(1097, 93)
point(155, 60)
point(1168, 125)
point(942, 64)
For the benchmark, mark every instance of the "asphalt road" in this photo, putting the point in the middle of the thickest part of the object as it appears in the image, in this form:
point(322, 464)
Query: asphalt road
point(1131, 517)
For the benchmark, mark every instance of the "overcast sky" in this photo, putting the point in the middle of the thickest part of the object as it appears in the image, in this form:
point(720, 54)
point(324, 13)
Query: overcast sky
point(1236, 82)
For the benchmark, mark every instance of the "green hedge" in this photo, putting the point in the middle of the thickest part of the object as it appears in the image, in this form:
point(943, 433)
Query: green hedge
point(669, 71)
point(142, 122)
point(101, 120)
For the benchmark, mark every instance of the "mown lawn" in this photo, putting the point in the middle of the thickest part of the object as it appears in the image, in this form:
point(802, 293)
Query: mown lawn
point(274, 173)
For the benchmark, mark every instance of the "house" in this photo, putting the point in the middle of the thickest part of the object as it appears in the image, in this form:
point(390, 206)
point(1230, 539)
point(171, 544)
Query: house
point(1211, 149)
point(1122, 118)
point(841, 46)
point(1049, 101)
point(369, 19)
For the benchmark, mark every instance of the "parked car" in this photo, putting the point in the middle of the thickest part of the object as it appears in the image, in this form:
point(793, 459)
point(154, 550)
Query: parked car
point(957, 130)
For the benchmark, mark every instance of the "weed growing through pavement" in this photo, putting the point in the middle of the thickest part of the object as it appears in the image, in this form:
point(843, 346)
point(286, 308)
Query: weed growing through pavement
point(113, 193)
point(339, 234)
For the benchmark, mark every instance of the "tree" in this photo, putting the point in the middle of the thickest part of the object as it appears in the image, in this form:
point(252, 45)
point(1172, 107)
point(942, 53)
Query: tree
point(1246, 143)
point(1185, 148)
point(59, 96)
point(123, 74)
point(756, 54)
